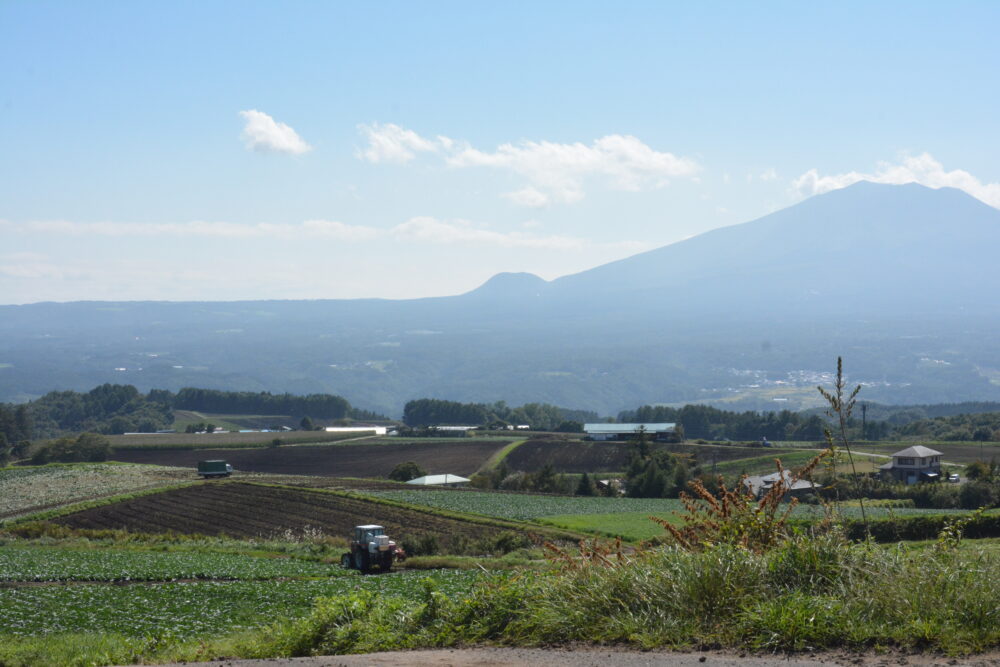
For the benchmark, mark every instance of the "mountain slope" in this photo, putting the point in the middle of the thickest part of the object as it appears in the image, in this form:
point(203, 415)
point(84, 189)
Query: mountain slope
point(898, 279)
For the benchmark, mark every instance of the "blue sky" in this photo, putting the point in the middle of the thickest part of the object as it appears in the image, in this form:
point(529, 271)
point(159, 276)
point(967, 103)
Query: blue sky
point(239, 150)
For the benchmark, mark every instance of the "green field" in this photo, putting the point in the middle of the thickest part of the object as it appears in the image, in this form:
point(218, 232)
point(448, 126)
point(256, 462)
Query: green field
point(636, 526)
point(524, 506)
point(630, 526)
point(30, 563)
point(196, 609)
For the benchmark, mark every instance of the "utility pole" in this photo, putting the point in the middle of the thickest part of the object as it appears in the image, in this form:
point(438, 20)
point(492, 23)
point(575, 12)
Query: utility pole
point(864, 421)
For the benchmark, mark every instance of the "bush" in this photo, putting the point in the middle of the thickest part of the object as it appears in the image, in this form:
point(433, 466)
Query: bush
point(404, 472)
point(422, 545)
point(87, 447)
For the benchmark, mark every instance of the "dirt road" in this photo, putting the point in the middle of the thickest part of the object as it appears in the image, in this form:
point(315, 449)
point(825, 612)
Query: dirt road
point(597, 657)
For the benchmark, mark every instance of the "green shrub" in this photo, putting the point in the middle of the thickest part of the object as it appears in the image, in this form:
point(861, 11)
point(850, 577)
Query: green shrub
point(87, 447)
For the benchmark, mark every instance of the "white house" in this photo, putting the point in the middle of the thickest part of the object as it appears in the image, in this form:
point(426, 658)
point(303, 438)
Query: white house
point(913, 464)
point(660, 431)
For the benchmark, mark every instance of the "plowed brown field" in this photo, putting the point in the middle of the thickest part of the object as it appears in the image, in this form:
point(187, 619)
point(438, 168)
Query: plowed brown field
point(577, 456)
point(248, 510)
point(461, 457)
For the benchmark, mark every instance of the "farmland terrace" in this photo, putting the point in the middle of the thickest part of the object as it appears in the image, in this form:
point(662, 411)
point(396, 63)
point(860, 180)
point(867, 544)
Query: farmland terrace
point(246, 510)
point(458, 457)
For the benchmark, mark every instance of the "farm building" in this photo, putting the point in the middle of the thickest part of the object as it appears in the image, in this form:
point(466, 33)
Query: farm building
point(377, 430)
point(758, 485)
point(913, 464)
point(439, 480)
point(663, 431)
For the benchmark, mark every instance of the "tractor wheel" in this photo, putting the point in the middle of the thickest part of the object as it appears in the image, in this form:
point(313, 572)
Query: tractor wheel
point(345, 561)
point(385, 561)
point(361, 560)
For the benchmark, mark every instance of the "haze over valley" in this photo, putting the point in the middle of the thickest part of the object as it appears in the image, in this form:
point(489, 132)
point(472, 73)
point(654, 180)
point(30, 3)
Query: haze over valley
point(900, 279)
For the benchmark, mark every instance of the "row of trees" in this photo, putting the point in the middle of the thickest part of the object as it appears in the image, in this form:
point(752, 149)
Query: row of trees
point(317, 406)
point(982, 427)
point(540, 416)
point(703, 421)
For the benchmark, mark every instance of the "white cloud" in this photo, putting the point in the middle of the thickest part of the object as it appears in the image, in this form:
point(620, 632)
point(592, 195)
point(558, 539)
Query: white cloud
point(529, 197)
point(769, 174)
point(32, 266)
point(556, 171)
point(431, 230)
point(923, 169)
point(423, 229)
point(624, 162)
point(263, 133)
point(461, 232)
point(310, 229)
point(392, 143)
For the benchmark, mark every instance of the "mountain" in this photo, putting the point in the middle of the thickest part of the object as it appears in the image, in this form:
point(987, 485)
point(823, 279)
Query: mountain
point(900, 280)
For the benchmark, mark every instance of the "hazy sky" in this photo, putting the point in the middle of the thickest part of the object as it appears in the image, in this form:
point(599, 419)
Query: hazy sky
point(240, 150)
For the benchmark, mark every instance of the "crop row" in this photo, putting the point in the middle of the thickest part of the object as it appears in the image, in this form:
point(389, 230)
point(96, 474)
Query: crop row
point(31, 563)
point(186, 610)
point(249, 510)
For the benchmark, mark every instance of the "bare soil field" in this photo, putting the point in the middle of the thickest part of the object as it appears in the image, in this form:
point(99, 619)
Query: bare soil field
point(243, 510)
point(576, 456)
point(462, 457)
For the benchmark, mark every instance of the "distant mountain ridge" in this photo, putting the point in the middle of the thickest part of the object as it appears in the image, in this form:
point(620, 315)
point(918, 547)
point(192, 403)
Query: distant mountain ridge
point(901, 280)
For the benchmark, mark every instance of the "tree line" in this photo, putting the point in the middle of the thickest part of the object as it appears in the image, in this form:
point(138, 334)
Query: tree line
point(317, 406)
point(116, 408)
point(539, 416)
point(703, 421)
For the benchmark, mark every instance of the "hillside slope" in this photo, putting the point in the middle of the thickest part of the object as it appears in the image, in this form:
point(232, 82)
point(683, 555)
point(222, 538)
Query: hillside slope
point(898, 279)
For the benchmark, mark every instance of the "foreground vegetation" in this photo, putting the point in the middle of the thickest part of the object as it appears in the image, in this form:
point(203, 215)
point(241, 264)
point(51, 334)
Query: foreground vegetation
point(806, 594)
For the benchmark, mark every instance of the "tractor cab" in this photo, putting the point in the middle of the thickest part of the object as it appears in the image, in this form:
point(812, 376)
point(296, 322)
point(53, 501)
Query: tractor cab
point(367, 534)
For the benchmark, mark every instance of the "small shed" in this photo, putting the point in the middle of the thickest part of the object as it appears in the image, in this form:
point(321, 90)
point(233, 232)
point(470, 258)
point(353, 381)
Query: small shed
point(439, 480)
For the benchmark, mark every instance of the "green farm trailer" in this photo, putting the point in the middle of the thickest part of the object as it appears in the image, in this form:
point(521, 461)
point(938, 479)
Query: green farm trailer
point(209, 469)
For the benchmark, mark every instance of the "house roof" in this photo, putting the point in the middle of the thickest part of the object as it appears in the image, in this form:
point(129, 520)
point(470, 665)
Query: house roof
point(917, 451)
point(629, 428)
point(757, 482)
point(431, 480)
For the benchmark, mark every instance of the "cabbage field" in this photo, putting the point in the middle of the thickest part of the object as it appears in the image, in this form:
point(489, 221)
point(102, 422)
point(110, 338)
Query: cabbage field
point(524, 506)
point(22, 563)
point(195, 609)
point(28, 490)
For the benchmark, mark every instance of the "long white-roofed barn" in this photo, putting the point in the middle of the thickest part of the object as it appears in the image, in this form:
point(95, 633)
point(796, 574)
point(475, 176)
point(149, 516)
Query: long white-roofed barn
point(660, 431)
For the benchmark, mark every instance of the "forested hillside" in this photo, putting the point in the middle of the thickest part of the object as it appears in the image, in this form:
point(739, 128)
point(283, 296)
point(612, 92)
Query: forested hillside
point(323, 406)
point(540, 416)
